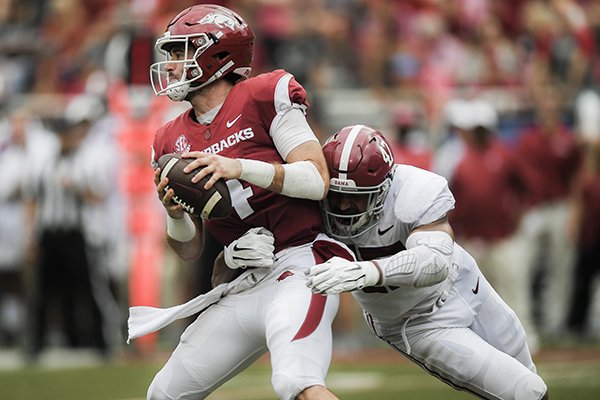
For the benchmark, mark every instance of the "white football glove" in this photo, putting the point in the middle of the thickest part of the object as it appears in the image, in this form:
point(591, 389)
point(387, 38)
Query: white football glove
point(254, 249)
point(340, 275)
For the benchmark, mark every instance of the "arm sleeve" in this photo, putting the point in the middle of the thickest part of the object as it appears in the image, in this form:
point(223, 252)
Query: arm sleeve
point(289, 127)
point(291, 130)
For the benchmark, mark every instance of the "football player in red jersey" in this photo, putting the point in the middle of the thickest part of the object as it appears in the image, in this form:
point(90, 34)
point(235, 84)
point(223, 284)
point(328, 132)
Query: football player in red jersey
point(420, 291)
point(253, 133)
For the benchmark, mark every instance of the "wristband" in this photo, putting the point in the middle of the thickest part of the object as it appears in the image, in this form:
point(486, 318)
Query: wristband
point(181, 230)
point(301, 179)
point(258, 173)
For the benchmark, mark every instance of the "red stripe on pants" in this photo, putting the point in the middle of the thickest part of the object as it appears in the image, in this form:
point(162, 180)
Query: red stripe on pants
point(322, 251)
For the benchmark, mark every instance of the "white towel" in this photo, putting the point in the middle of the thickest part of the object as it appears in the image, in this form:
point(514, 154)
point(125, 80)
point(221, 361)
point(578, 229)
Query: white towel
point(144, 320)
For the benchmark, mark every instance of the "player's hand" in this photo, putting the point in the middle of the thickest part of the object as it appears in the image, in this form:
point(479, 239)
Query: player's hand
point(340, 275)
point(254, 249)
point(166, 196)
point(218, 166)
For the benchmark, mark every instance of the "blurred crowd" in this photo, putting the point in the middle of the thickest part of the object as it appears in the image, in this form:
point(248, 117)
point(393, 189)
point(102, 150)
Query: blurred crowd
point(500, 97)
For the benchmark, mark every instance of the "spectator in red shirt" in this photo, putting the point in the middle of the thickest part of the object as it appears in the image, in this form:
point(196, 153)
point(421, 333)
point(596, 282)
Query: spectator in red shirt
point(410, 145)
point(588, 246)
point(586, 221)
point(551, 154)
point(489, 186)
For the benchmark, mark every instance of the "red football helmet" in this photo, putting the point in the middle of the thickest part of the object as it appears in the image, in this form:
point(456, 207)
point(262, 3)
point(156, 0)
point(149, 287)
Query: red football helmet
point(360, 163)
point(215, 41)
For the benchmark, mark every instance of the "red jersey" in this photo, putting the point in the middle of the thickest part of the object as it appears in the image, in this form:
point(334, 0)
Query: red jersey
point(553, 161)
point(590, 221)
point(241, 129)
point(420, 158)
point(489, 189)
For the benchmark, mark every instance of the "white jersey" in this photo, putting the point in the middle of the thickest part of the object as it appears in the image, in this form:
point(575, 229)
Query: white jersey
point(416, 197)
point(485, 352)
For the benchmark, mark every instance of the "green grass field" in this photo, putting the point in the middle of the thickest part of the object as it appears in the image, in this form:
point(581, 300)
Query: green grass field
point(572, 377)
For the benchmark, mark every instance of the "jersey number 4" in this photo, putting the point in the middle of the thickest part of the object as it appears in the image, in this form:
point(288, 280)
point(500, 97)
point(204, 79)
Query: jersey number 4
point(239, 198)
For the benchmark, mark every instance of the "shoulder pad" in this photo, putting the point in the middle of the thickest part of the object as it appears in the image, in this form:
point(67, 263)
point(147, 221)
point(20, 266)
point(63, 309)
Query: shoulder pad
point(422, 196)
point(278, 88)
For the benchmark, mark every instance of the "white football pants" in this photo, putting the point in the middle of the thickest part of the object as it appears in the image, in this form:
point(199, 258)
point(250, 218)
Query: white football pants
point(474, 342)
point(280, 315)
point(505, 265)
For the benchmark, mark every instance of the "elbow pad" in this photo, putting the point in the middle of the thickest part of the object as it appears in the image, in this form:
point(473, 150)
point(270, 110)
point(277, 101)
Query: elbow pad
point(425, 262)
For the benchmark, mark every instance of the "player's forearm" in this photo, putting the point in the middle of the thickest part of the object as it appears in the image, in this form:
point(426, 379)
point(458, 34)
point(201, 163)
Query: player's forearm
point(184, 237)
point(299, 179)
point(188, 252)
point(425, 262)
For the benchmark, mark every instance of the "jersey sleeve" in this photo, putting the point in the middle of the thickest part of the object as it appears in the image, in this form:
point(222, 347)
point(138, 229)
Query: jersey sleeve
point(289, 93)
point(282, 102)
point(424, 197)
point(276, 92)
point(289, 128)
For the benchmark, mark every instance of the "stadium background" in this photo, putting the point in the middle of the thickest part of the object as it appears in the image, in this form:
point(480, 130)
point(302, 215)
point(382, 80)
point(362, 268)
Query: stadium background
point(384, 63)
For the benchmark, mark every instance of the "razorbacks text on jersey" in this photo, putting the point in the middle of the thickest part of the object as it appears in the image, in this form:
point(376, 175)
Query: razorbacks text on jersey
point(416, 197)
point(241, 129)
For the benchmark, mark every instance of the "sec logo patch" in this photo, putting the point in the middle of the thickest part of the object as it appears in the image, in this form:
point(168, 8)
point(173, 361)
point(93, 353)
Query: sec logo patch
point(182, 145)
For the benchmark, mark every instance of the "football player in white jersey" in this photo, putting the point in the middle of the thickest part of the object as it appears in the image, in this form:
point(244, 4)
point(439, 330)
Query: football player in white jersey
point(420, 291)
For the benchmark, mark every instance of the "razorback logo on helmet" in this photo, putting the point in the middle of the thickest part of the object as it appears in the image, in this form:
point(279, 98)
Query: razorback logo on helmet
point(220, 20)
point(207, 55)
point(182, 145)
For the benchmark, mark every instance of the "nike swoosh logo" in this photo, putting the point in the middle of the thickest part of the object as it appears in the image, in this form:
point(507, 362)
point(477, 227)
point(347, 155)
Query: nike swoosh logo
point(384, 231)
point(230, 123)
point(236, 248)
point(476, 290)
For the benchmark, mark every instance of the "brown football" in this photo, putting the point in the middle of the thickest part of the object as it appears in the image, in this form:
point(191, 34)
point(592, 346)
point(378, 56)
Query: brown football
point(210, 204)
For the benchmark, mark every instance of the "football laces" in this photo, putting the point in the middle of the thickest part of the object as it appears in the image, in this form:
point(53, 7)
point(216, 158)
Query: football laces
point(188, 208)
